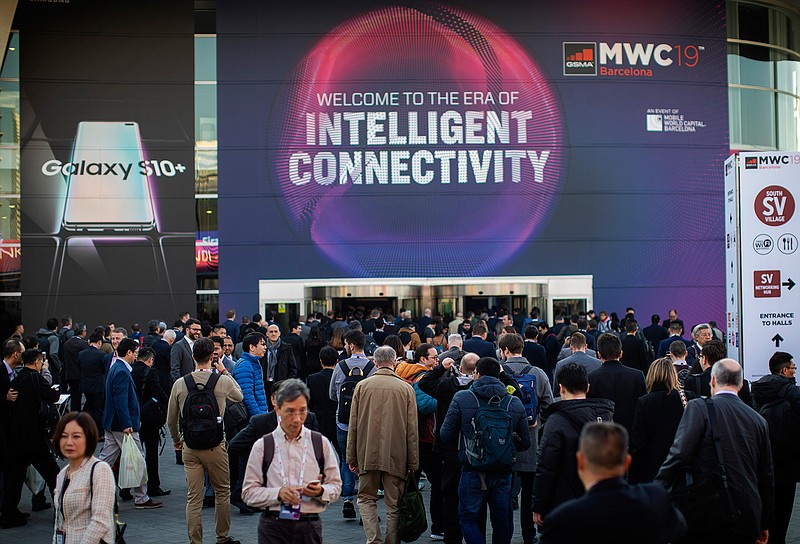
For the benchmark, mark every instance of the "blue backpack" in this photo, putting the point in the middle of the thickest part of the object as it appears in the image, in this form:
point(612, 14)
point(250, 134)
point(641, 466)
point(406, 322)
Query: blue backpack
point(489, 444)
point(527, 389)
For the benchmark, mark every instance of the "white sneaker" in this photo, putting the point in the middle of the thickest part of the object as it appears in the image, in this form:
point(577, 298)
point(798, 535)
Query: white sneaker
point(437, 536)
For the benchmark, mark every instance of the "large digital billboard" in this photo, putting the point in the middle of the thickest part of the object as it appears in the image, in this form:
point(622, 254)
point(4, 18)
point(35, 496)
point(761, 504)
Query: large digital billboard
point(107, 163)
point(428, 139)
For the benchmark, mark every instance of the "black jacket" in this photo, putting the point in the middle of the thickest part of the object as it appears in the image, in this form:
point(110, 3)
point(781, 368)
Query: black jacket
point(93, 371)
point(162, 362)
point(259, 425)
point(286, 366)
point(613, 512)
point(616, 382)
point(557, 471)
point(655, 422)
point(148, 385)
point(299, 352)
point(26, 433)
point(535, 354)
point(655, 334)
point(782, 412)
point(321, 404)
point(69, 353)
point(443, 385)
point(700, 385)
point(635, 353)
point(744, 439)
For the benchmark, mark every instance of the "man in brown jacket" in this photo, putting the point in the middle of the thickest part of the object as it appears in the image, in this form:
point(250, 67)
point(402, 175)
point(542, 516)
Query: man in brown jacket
point(382, 443)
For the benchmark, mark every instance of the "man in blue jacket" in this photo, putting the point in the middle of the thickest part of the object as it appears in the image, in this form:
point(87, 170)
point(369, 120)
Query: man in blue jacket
point(121, 414)
point(490, 486)
point(247, 373)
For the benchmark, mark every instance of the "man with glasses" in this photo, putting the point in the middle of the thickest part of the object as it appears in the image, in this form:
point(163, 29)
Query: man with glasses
point(227, 351)
point(180, 358)
point(777, 399)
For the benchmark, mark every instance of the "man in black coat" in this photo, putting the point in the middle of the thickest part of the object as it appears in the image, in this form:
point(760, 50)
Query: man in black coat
point(634, 350)
point(320, 403)
point(278, 363)
point(777, 398)
point(655, 333)
point(744, 440)
point(298, 348)
point(532, 351)
point(72, 367)
point(93, 378)
point(612, 511)
point(557, 471)
point(27, 436)
point(615, 381)
point(153, 409)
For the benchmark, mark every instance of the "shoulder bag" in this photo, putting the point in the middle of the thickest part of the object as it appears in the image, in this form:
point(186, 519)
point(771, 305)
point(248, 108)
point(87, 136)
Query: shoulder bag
point(706, 502)
point(119, 526)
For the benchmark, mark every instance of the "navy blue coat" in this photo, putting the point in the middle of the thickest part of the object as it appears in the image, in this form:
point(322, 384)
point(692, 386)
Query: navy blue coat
point(463, 408)
point(122, 404)
point(93, 371)
point(479, 346)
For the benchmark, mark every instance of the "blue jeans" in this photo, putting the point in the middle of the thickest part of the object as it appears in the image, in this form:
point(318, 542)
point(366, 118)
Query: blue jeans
point(498, 496)
point(348, 478)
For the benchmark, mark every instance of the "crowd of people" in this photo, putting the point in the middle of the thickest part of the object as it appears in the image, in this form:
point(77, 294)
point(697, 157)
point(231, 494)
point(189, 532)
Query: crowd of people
point(594, 429)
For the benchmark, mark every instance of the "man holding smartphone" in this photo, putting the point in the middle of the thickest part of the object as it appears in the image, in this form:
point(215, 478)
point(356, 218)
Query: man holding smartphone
point(293, 472)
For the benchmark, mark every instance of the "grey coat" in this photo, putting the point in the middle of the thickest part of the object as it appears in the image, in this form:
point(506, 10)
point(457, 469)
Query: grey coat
point(526, 460)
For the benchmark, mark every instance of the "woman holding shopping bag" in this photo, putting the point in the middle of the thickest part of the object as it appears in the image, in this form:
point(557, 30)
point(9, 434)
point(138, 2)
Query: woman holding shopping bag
point(85, 489)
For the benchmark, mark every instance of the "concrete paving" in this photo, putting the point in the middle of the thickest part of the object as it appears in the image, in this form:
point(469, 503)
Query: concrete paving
point(168, 524)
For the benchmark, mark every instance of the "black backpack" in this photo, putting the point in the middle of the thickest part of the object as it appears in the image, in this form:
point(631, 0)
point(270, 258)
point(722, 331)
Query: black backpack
point(783, 421)
point(348, 388)
point(269, 452)
point(201, 421)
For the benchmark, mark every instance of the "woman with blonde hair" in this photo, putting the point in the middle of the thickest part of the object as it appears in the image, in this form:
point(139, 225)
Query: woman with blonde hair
point(656, 420)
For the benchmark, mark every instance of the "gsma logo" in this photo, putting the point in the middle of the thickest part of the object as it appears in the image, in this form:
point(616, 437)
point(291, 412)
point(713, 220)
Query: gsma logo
point(580, 58)
point(751, 163)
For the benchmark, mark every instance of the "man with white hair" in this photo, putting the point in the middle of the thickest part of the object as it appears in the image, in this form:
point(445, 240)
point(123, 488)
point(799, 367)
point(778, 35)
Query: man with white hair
point(723, 436)
point(701, 334)
point(454, 351)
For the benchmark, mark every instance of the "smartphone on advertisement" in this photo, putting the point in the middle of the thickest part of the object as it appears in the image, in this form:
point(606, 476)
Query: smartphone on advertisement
point(107, 189)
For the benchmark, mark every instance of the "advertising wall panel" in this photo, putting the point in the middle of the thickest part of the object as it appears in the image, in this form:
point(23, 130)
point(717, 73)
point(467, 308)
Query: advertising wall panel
point(425, 139)
point(107, 197)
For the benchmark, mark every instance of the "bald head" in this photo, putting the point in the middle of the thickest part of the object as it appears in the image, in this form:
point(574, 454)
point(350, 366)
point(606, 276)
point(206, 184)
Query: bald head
point(468, 363)
point(726, 375)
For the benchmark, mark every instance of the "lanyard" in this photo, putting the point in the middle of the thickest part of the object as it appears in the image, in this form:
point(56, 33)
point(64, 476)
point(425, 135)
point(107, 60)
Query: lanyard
point(280, 460)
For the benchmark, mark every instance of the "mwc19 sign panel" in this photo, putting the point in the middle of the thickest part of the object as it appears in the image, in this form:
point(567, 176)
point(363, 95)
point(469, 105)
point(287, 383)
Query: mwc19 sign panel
point(767, 243)
point(397, 139)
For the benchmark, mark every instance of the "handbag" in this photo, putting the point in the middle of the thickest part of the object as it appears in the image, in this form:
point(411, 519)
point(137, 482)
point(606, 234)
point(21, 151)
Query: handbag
point(47, 410)
point(706, 503)
point(119, 526)
point(412, 520)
